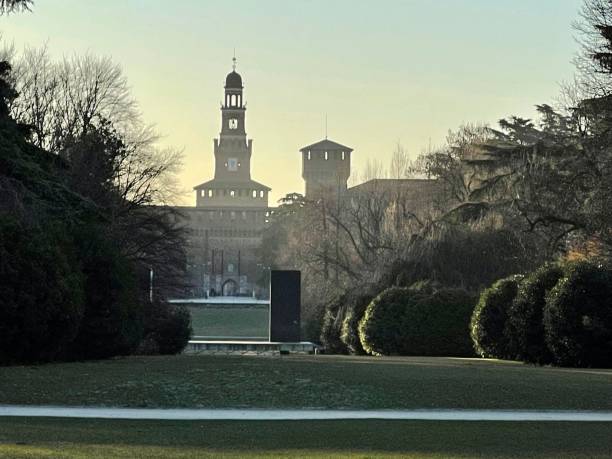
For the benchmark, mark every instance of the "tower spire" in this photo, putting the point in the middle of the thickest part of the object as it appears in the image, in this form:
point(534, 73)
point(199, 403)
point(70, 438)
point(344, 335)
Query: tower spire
point(234, 61)
point(326, 126)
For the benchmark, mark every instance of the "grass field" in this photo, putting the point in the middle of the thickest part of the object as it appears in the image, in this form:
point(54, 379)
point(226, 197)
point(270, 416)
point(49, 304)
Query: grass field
point(70, 438)
point(306, 381)
point(229, 322)
point(303, 381)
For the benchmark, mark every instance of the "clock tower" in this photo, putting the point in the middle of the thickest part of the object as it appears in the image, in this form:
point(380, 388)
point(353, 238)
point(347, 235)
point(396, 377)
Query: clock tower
point(231, 210)
point(232, 185)
point(232, 149)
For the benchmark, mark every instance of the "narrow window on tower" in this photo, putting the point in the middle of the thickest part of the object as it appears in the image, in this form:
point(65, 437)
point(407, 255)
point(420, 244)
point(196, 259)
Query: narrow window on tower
point(343, 156)
point(326, 156)
point(309, 155)
point(233, 123)
point(232, 193)
point(254, 193)
point(261, 194)
point(210, 193)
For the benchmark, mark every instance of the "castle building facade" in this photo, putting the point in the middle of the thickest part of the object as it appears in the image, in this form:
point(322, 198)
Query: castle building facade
point(230, 211)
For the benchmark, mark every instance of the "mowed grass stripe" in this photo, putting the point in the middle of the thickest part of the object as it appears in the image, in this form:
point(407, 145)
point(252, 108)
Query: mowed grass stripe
point(71, 438)
point(199, 381)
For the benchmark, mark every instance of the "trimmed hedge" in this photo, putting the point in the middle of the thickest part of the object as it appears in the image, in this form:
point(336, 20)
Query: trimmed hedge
point(167, 329)
point(41, 294)
point(578, 317)
point(332, 324)
point(525, 328)
point(438, 325)
point(381, 328)
point(488, 324)
point(349, 333)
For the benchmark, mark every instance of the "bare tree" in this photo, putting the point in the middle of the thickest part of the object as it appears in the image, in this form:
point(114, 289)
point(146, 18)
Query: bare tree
point(460, 166)
point(62, 100)
point(81, 108)
point(12, 6)
point(37, 82)
point(399, 167)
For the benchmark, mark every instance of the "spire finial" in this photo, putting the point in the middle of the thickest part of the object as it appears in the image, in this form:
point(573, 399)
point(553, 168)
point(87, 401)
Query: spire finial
point(234, 61)
point(326, 126)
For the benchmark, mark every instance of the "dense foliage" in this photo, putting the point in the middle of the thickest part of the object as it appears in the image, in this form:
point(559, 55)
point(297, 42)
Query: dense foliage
point(381, 329)
point(525, 327)
point(167, 328)
point(113, 320)
point(438, 325)
point(489, 319)
point(418, 321)
point(331, 325)
point(41, 294)
point(349, 331)
point(75, 226)
point(578, 317)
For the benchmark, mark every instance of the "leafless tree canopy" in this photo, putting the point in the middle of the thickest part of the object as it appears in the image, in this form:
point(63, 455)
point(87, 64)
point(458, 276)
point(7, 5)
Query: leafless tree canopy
point(593, 33)
point(62, 100)
point(12, 6)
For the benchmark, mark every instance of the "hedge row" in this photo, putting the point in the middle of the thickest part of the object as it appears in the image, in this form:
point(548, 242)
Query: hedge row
point(408, 321)
point(558, 314)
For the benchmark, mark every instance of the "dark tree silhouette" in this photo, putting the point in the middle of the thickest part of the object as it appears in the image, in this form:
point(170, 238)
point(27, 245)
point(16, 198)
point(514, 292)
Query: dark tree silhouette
point(11, 6)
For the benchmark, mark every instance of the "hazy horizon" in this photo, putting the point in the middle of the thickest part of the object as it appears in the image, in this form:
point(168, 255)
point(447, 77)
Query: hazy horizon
point(404, 73)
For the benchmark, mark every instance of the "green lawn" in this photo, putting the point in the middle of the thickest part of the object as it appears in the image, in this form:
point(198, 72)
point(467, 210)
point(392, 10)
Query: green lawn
point(306, 381)
point(229, 322)
point(71, 438)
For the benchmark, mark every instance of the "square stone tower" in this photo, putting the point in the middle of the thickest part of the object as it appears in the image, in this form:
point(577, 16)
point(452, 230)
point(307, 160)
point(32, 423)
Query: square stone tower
point(326, 168)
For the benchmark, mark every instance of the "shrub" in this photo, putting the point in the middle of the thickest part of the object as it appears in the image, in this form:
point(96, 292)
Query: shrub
point(113, 320)
point(487, 327)
point(426, 286)
point(167, 329)
point(439, 325)
point(349, 333)
point(332, 324)
point(525, 330)
point(578, 317)
point(41, 294)
point(380, 329)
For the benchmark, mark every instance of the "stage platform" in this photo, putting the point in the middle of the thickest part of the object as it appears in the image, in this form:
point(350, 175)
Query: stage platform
point(222, 302)
point(250, 347)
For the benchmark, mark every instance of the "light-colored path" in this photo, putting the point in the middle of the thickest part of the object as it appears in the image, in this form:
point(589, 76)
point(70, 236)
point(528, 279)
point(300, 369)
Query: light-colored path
point(296, 415)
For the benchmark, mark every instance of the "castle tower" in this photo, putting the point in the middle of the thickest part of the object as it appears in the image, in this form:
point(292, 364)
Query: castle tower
point(326, 168)
point(232, 185)
point(232, 149)
point(231, 210)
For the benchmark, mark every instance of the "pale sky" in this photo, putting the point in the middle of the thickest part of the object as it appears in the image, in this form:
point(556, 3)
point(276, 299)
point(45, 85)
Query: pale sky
point(382, 70)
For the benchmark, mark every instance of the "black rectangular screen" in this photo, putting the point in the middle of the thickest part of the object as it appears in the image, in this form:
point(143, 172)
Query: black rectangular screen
point(285, 306)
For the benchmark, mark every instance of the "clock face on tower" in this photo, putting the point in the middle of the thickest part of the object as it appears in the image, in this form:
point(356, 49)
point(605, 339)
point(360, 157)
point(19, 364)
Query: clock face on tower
point(233, 123)
point(232, 164)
